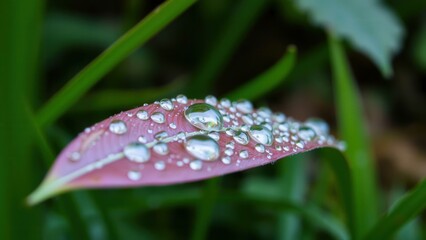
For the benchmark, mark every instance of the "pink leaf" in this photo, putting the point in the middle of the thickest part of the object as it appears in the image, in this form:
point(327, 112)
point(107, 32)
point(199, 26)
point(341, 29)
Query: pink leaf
point(179, 140)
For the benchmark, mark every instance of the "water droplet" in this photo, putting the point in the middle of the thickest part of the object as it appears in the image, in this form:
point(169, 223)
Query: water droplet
point(172, 125)
point(241, 137)
point(118, 127)
point(226, 160)
point(182, 99)
point(229, 152)
point(203, 147)
point(244, 154)
point(210, 99)
point(142, 115)
point(75, 156)
point(196, 165)
point(278, 147)
point(161, 135)
point(166, 104)
point(230, 145)
point(306, 133)
point(244, 106)
point(300, 145)
point(214, 135)
point(204, 116)
point(278, 117)
point(283, 127)
point(134, 175)
point(264, 112)
point(286, 148)
point(260, 148)
point(226, 118)
point(261, 134)
point(224, 102)
point(245, 128)
point(230, 132)
point(158, 117)
point(320, 126)
point(247, 119)
point(161, 148)
point(142, 139)
point(137, 152)
point(160, 165)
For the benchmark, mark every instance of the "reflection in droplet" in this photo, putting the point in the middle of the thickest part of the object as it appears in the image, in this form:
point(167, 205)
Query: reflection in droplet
point(137, 152)
point(118, 127)
point(203, 147)
point(204, 116)
point(241, 137)
point(261, 134)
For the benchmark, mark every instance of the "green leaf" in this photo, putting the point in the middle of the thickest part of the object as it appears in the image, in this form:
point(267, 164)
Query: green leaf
point(353, 131)
point(105, 62)
point(368, 25)
point(268, 80)
point(409, 206)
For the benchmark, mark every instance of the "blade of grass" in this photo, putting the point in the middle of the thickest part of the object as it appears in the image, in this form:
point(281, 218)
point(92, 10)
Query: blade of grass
point(293, 186)
point(235, 28)
point(268, 80)
point(353, 131)
point(409, 206)
point(101, 65)
point(20, 25)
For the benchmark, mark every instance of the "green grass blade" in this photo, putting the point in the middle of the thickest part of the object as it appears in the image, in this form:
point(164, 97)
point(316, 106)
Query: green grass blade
point(235, 28)
point(100, 66)
point(409, 206)
point(353, 131)
point(268, 80)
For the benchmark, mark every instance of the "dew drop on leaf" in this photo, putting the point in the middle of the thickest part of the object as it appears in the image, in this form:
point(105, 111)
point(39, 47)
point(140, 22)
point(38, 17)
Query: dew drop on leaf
point(261, 134)
point(241, 137)
point(142, 115)
point(134, 175)
point(161, 135)
point(244, 106)
point(204, 116)
point(137, 152)
point(226, 160)
point(306, 133)
point(210, 99)
point(166, 104)
point(118, 127)
point(260, 148)
point(182, 99)
point(158, 117)
point(244, 154)
point(202, 147)
point(160, 165)
point(196, 165)
point(161, 148)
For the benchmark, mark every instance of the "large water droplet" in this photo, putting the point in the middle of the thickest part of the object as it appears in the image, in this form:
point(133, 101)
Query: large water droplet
point(166, 104)
point(306, 133)
point(203, 147)
point(137, 152)
point(182, 99)
point(142, 115)
point(118, 127)
point(210, 99)
point(134, 175)
point(261, 134)
point(241, 137)
point(158, 117)
point(204, 116)
point(161, 148)
point(244, 106)
point(196, 165)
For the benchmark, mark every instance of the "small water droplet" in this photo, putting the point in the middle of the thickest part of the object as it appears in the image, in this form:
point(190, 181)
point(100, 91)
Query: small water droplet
point(182, 99)
point(161, 135)
point(230, 132)
point(244, 106)
point(75, 156)
point(142, 115)
point(172, 125)
point(161, 148)
point(134, 175)
point(261, 134)
point(204, 116)
point(264, 112)
point(286, 148)
point(244, 154)
point(137, 152)
point(214, 135)
point(203, 147)
point(283, 127)
point(247, 119)
point(278, 147)
point(319, 126)
point(142, 139)
point(226, 160)
point(158, 117)
point(226, 118)
point(241, 137)
point(210, 99)
point(118, 127)
point(278, 117)
point(166, 104)
point(160, 165)
point(224, 102)
point(306, 133)
point(229, 152)
point(260, 148)
point(300, 145)
point(196, 165)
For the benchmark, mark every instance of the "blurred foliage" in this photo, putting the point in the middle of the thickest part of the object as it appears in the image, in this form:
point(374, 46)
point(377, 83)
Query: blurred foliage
point(225, 48)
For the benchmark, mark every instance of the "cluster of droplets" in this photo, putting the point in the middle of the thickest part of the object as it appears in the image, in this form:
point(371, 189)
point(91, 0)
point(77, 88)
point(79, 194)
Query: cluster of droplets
point(238, 121)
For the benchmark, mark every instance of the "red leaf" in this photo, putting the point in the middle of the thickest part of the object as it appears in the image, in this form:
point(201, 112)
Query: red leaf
point(178, 140)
